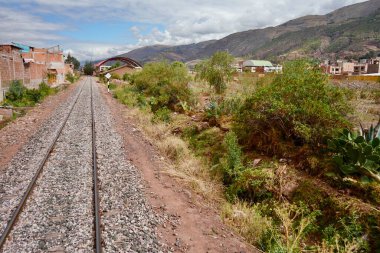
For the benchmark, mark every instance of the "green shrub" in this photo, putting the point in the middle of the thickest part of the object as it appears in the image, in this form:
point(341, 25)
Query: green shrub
point(164, 85)
point(127, 77)
point(233, 166)
point(126, 95)
point(112, 86)
point(162, 114)
point(298, 108)
point(18, 95)
point(115, 76)
point(34, 95)
point(16, 91)
point(70, 77)
point(46, 90)
point(347, 231)
point(244, 182)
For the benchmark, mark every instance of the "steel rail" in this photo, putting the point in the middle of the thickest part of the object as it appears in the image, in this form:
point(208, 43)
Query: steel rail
point(31, 185)
point(98, 239)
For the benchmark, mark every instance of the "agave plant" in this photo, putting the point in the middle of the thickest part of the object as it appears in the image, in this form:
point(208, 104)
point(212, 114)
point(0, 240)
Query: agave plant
point(358, 154)
point(371, 133)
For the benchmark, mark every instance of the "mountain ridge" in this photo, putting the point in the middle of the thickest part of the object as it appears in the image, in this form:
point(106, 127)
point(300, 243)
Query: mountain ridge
point(321, 36)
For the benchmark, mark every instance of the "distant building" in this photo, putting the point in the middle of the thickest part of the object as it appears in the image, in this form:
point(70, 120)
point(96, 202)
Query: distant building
point(104, 67)
point(374, 66)
point(334, 70)
point(360, 68)
point(120, 71)
point(347, 68)
point(259, 66)
point(129, 66)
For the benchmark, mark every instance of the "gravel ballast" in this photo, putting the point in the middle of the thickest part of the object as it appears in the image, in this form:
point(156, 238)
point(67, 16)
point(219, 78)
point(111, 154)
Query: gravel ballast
point(59, 214)
point(128, 221)
point(15, 178)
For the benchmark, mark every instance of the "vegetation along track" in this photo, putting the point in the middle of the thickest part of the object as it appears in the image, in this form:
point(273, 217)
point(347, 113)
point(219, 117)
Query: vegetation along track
point(55, 212)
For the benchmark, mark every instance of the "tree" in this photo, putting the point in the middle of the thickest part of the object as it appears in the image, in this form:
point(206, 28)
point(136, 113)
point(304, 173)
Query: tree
point(217, 70)
point(88, 68)
point(72, 60)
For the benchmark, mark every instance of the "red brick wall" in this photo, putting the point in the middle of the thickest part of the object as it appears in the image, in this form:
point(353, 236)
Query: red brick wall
point(31, 74)
point(11, 65)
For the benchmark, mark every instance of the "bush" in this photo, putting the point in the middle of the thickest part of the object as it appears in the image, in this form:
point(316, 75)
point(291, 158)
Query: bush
point(298, 108)
point(46, 90)
point(346, 234)
point(162, 114)
point(127, 77)
point(115, 76)
point(244, 182)
point(70, 77)
point(164, 85)
point(18, 95)
point(126, 95)
point(16, 91)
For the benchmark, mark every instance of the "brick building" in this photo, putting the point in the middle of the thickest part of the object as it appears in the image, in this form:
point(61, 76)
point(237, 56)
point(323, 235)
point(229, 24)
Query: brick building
point(31, 66)
point(11, 67)
point(45, 63)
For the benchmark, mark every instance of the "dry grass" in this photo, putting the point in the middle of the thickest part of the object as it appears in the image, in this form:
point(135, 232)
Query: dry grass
point(182, 163)
point(246, 220)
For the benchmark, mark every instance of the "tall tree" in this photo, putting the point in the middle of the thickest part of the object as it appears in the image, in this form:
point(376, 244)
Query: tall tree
point(72, 60)
point(217, 70)
point(88, 68)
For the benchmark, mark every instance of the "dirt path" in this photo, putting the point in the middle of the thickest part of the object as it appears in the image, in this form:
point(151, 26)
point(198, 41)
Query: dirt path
point(16, 134)
point(190, 226)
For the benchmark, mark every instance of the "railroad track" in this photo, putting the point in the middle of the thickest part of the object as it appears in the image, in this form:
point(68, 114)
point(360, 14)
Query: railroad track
point(95, 191)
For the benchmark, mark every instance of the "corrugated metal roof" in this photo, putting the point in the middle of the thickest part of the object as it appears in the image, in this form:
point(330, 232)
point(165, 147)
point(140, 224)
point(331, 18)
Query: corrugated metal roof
point(24, 48)
point(257, 63)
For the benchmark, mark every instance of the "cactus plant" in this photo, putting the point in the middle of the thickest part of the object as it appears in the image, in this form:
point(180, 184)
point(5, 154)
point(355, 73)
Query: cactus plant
point(371, 133)
point(358, 154)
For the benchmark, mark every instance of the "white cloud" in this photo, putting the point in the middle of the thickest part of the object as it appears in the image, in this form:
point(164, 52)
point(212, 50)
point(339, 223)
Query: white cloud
point(183, 21)
point(23, 27)
point(94, 51)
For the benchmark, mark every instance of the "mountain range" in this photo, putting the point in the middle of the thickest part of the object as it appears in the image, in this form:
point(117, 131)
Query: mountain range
point(349, 32)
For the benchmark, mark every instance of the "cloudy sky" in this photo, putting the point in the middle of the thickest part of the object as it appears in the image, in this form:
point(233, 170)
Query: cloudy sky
point(94, 29)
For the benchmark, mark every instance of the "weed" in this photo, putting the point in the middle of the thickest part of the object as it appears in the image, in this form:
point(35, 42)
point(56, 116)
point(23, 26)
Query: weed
point(70, 77)
point(162, 114)
point(246, 220)
point(294, 223)
point(346, 236)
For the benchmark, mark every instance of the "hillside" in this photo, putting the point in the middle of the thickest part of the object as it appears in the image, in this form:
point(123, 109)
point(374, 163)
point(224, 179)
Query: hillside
point(350, 31)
